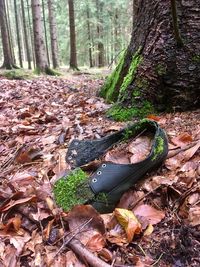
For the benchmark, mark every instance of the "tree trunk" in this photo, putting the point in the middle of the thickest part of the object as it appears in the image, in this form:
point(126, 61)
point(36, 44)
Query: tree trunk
point(53, 34)
point(27, 49)
point(161, 66)
point(45, 32)
point(73, 56)
point(31, 33)
point(8, 61)
point(40, 52)
point(18, 36)
point(11, 43)
point(100, 46)
point(89, 36)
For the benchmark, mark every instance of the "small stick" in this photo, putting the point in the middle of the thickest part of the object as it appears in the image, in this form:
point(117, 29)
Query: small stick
point(173, 153)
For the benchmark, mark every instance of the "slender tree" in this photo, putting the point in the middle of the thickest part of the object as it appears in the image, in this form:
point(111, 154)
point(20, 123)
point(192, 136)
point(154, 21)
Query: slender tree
point(73, 55)
point(89, 36)
point(27, 48)
point(18, 34)
point(8, 60)
point(40, 52)
point(30, 32)
point(45, 32)
point(100, 45)
point(53, 34)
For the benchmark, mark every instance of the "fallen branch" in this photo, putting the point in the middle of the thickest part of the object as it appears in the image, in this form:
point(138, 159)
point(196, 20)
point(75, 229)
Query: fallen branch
point(85, 255)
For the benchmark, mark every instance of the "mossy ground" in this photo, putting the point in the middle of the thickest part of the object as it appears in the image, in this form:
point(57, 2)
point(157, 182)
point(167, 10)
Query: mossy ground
point(72, 190)
point(16, 74)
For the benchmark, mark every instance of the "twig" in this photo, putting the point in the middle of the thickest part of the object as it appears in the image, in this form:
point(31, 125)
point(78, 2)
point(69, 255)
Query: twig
point(72, 235)
point(173, 153)
point(85, 255)
point(153, 264)
point(184, 195)
point(133, 205)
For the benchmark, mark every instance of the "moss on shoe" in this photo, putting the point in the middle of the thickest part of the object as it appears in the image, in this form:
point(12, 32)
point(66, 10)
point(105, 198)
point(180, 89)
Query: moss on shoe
point(72, 190)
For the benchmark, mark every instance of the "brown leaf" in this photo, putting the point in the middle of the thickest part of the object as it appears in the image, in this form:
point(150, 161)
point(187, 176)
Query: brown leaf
point(80, 215)
point(96, 243)
point(27, 154)
point(14, 203)
point(188, 154)
point(182, 139)
point(140, 148)
point(121, 157)
point(151, 214)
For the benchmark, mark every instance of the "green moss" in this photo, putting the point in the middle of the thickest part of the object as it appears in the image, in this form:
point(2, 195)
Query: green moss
point(108, 90)
point(17, 74)
point(119, 113)
point(136, 60)
point(161, 69)
point(101, 197)
point(196, 58)
point(48, 71)
point(159, 147)
point(72, 190)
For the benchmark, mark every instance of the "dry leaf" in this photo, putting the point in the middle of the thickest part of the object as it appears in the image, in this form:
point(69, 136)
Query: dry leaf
point(129, 222)
point(152, 215)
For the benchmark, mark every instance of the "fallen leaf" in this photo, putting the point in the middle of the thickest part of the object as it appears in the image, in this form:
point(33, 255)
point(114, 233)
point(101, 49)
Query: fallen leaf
point(182, 139)
point(152, 215)
point(96, 243)
point(87, 217)
point(149, 230)
point(129, 222)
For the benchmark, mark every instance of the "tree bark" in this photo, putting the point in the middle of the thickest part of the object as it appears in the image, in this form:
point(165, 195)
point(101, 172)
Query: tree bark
point(53, 34)
point(31, 33)
point(167, 74)
point(45, 32)
point(18, 36)
point(27, 49)
point(11, 42)
point(40, 52)
point(8, 61)
point(100, 45)
point(73, 55)
point(89, 36)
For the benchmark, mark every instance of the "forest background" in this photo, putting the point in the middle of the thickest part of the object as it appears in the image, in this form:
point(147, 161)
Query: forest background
point(100, 28)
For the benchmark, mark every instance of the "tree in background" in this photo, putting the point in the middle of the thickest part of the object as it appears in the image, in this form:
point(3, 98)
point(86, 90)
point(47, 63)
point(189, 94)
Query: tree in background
point(8, 62)
point(40, 52)
point(27, 48)
point(53, 34)
point(100, 45)
point(18, 34)
point(160, 69)
point(45, 31)
point(73, 55)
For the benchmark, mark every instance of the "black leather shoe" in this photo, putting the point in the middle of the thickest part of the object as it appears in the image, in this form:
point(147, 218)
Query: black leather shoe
point(107, 184)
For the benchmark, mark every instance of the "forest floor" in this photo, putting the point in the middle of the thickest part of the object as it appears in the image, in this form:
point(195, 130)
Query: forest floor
point(38, 119)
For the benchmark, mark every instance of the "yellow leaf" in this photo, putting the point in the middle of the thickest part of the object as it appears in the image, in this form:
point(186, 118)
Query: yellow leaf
point(129, 222)
point(149, 230)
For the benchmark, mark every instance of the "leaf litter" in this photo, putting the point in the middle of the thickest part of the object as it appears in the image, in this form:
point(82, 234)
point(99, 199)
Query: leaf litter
point(159, 219)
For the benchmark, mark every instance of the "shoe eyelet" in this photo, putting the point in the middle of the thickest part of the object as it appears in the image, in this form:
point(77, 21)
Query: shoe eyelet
point(94, 180)
point(70, 158)
point(99, 173)
point(76, 143)
point(103, 165)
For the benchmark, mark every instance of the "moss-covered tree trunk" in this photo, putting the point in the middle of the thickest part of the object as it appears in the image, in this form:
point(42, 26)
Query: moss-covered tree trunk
point(161, 66)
